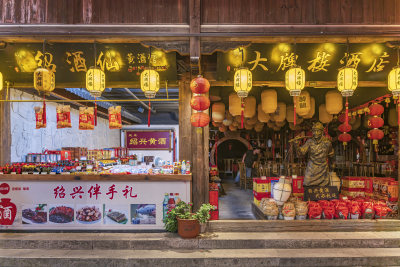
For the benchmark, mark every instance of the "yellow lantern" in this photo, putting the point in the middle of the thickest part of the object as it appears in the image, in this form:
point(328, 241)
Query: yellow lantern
point(1, 81)
point(324, 116)
point(235, 105)
point(280, 113)
point(394, 81)
point(295, 80)
point(249, 107)
point(333, 102)
point(218, 112)
point(310, 114)
point(243, 82)
point(95, 81)
point(303, 105)
point(347, 81)
point(44, 80)
point(261, 115)
point(269, 101)
point(150, 83)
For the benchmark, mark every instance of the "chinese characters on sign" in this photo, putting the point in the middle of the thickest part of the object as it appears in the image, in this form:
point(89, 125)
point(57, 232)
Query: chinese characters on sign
point(315, 193)
point(94, 192)
point(148, 139)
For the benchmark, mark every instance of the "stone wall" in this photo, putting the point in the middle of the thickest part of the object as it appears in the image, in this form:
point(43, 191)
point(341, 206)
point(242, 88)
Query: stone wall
point(26, 139)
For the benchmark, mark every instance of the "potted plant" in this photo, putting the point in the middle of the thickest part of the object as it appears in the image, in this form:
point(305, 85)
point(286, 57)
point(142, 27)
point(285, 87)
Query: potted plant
point(181, 219)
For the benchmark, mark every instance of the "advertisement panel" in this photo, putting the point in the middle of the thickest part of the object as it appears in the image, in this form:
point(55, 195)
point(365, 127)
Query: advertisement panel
point(91, 205)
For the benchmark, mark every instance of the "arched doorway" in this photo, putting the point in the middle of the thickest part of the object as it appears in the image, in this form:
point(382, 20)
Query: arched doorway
point(222, 140)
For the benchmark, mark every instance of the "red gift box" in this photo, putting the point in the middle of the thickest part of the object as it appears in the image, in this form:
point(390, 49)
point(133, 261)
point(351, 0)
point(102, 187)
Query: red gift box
point(297, 184)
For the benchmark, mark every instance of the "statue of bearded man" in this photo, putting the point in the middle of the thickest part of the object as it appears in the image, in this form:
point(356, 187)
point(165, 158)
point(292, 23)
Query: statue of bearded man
point(319, 149)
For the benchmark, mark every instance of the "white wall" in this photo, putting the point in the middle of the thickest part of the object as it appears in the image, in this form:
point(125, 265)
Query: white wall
point(164, 154)
point(26, 139)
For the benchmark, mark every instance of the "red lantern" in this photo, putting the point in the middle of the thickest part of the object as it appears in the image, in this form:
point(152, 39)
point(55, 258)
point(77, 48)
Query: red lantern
point(344, 128)
point(375, 122)
point(376, 109)
point(342, 117)
point(200, 102)
point(199, 85)
point(199, 119)
point(345, 138)
point(375, 135)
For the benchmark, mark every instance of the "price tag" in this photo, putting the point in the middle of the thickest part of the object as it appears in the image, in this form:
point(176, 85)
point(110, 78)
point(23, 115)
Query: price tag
point(1, 173)
point(43, 173)
point(13, 173)
point(35, 173)
point(52, 173)
point(25, 173)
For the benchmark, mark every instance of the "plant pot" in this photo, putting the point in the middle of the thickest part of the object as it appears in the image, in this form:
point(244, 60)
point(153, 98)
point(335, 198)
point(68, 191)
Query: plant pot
point(203, 227)
point(188, 228)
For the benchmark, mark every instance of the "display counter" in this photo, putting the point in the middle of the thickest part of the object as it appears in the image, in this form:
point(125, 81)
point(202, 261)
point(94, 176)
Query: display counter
point(92, 202)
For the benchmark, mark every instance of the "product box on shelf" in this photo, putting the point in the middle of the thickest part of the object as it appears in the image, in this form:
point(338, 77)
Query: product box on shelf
point(393, 191)
point(261, 185)
point(297, 184)
point(299, 195)
point(353, 182)
point(353, 192)
point(368, 184)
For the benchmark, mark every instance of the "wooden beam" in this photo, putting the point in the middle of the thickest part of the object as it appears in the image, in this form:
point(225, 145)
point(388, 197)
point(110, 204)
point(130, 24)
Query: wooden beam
point(185, 111)
point(5, 130)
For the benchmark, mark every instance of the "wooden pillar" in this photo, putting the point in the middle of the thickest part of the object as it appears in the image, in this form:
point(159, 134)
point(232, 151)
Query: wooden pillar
point(398, 155)
point(185, 128)
point(5, 130)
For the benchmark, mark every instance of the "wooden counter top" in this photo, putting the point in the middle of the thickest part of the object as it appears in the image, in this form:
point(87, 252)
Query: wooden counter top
point(96, 177)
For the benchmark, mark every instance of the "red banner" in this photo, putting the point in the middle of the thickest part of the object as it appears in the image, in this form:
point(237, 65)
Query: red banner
point(143, 140)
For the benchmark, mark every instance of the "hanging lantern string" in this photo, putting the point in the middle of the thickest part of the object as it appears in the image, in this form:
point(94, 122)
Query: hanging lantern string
point(149, 110)
point(347, 112)
point(8, 87)
point(166, 88)
point(242, 112)
point(44, 110)
point(95, 112)
point(294, 110)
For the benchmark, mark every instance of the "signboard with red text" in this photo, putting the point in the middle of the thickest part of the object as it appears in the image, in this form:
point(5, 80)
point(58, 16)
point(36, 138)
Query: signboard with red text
point(88, 205)
point(143, 140)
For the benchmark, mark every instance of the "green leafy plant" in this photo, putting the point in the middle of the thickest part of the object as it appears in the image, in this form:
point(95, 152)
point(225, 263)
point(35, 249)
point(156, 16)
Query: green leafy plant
point(183, 210)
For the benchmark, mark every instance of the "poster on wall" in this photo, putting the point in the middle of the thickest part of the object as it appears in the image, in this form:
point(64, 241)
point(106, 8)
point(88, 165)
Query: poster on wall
point(93, 205)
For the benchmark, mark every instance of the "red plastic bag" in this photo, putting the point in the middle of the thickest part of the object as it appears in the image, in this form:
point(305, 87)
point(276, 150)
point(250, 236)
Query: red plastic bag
point(314, 210)
point(86, 118)
point(354, 210)
point(114, 117)
point(342, 211)
point(63, 116)
point(367, 210)
point(381, 211)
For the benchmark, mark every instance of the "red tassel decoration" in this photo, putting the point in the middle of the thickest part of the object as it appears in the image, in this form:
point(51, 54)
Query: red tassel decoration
point(148, 114)
point(242, 114)
point(346, 119)
point(294, 111)
point(44, 111)
point(95, 112)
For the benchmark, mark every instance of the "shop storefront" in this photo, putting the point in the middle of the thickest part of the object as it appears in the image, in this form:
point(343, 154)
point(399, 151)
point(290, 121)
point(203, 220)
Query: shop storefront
point(74, 157)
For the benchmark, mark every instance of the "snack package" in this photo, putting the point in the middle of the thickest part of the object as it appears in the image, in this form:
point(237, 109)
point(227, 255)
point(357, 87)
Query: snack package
point(114, 117)
point(314, 210)
point(341, 210)
point(328, 209)
point(40, 118)
point(301, 208)
point(367, 210)
point(86, 118)
point(354, 210)
point(381, 211)
point(288, 211)
point(63, 116)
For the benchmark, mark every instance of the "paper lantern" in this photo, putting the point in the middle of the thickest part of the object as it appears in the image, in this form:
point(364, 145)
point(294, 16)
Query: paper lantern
point(375, 122)
point(303, 103)
point(261, 115)
point(280, 113)
point(218, 112)
point(311, 113)
point(280, 123)
point(344, 128)
point(200, 102)
point(150, 83)
point(282, 190)
point(232, 128)
point(290, 113)
point(199, 119)
point(44, 80)
point(200, 85)
point(295, 80)
point(392, 117)
point(276, 128)
point(394, 81)
point(347, 81)
point(222, 129)
point(243, 82)
point(271, 124)
point(227, 122)
point(375, 109)
point(269, 101)
point(345, 138)
point(250, 107)
point(259, 127)
point(375, 135)
point(324, 116)
point(235, 105)
point(333, 102)
point(252, 121)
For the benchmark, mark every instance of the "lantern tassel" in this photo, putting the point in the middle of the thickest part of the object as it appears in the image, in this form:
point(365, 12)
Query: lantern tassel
point(148, 114)
point(346, 119)
point(398, 114)
point(242, 114)
point(294, 111)
point(95, 112)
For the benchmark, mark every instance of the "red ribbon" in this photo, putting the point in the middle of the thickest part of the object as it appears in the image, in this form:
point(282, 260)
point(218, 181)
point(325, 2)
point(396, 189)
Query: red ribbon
point(294, 111)
point(347, 112)
point(148, 114)
point(95, 112)
point(44, 111)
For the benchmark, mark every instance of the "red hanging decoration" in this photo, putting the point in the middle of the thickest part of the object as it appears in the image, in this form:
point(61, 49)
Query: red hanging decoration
point(294, 111)
point(95, 112)
point(346, 118)
point(44, 111)
point(242, 113)
point(376, 109)
point(199, 85)
point(148, 114)
point(199, 119)
point(200, 102)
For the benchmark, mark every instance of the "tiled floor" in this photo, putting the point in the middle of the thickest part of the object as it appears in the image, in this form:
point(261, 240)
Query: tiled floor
point(236, 204)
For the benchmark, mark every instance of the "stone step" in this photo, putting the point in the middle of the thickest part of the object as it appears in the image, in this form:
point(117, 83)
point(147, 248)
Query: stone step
point(212, 257)
point(304, 225)
point(216, 240)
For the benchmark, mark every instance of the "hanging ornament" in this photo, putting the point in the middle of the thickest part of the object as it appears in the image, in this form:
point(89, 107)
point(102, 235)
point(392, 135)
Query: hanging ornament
point(199, 85)
point(374, 122)
point(199, 119)
point(243, 82)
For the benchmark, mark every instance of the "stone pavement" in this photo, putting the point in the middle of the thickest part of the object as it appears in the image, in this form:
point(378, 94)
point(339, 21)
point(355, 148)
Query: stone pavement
point(218, 248)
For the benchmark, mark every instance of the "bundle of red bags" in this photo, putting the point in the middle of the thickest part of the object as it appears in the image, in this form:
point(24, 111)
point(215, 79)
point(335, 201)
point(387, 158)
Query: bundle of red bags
point(314, 210)
point(328, 209)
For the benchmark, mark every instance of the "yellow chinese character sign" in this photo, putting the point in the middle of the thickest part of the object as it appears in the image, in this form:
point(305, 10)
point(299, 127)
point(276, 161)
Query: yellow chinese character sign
point(143, 140)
